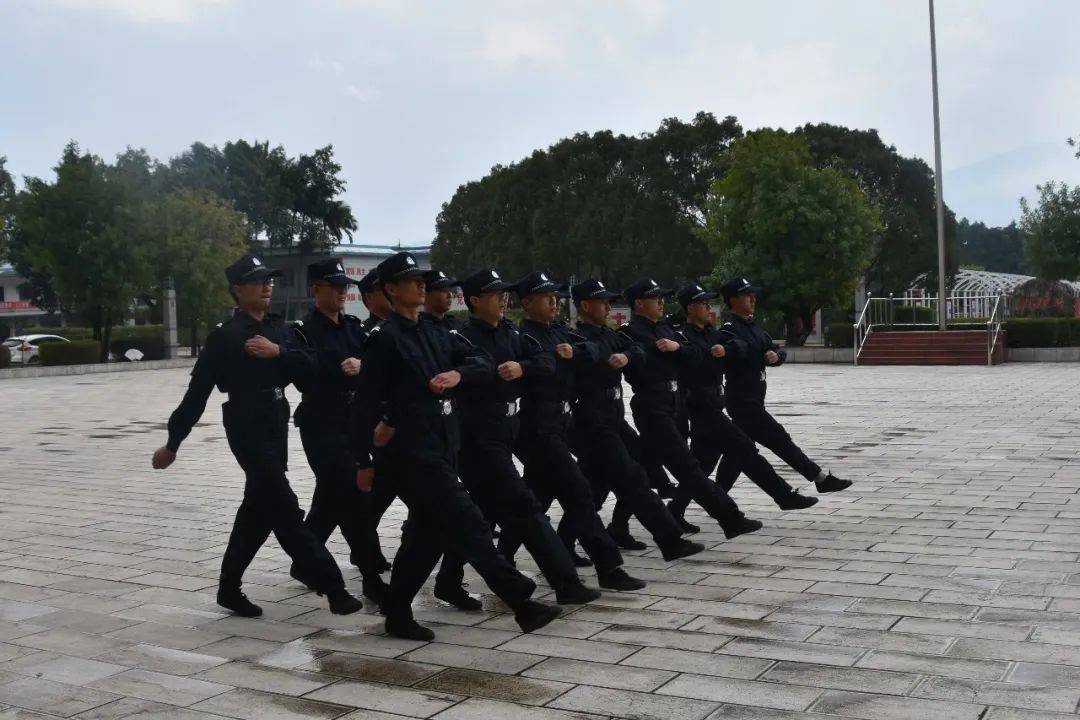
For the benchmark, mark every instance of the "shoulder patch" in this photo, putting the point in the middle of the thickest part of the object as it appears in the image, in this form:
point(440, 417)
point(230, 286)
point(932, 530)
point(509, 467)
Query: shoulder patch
point(461, 337)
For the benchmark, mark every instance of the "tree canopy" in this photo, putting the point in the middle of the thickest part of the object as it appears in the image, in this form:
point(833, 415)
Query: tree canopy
point(806, 234)
point(1051, 232)
point(997, 249)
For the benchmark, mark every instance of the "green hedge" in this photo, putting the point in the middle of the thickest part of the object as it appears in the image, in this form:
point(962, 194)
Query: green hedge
point(5, 356)
point(839, 335)
point(76, 352)
point(152, 348)
point(914, 314)
point(1043, 332)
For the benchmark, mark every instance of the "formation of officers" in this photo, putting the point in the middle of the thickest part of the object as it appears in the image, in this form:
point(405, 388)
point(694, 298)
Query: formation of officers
point(413, 404)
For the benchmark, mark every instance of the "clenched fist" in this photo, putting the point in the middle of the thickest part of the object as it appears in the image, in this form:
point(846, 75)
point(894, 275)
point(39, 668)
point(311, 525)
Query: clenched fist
point(350, 366)
point(163, 458)
point(261, 348)
point(564, 351)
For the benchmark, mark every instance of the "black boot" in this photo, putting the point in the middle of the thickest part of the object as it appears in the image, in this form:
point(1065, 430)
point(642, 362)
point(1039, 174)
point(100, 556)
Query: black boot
point(680, 548)
point(831, 483)
point(406, 628)
point(532, 615)
point(623, 538)
point(342, 602)
point(577, 594)
point(688, 528)
point(740, 525)
point(618, 579)
point(238, 602)
point(795, 501)
point(376, 590)
point(580, 560)
point(456, 596)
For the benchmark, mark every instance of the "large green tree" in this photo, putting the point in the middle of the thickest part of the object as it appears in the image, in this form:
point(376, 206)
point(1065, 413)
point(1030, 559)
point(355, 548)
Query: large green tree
point(7, 207)
point(902, 188)
point(997, 249)
point(807, 234)
point(1051, 232)
point(190, 236)
point(287, 202)
point(77, 232)
point(600, 204)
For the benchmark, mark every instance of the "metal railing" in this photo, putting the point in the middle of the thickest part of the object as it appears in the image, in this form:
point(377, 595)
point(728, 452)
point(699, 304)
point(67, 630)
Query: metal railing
point(993, 328)
point(906, 311)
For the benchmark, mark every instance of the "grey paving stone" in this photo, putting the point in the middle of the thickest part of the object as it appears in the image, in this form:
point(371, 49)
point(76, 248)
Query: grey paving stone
point(510, 688)
point(697, 662)
point(1010, 694)
point(384, 698)
point(253, 705)
point(886, 707)
point(743, 692)
point(842, 678)
point(621, 677)
point(640, 706)
point(935, 665)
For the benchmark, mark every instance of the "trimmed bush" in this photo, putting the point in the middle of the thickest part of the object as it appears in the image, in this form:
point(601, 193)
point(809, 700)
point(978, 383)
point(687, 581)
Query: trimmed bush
point(152, 348)
point(839, 335)
point(1043, 332)
point(76, 352)
point(5, 356)
point(914, 314)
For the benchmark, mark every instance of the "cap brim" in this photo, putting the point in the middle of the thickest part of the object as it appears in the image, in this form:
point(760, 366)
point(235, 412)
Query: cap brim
point(258, 275)
point(541, 289)
point(443, 284)
point(656, 292)
point(405, 274)
point(336, 279)
point(700, 297)
point(751, 290)
point(493, 287)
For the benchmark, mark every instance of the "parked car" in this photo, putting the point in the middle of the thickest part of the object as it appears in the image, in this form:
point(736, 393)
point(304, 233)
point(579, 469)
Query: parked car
point(24, 348)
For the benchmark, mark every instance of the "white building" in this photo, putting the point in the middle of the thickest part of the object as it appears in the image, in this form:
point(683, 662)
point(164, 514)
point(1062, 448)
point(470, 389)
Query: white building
point(15, 310)
point(292, 297)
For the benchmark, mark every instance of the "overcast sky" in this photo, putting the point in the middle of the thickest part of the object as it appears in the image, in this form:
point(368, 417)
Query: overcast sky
point(418, 97)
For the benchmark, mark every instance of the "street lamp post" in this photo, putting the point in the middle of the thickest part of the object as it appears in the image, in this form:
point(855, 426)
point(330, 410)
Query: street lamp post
point(937, 175)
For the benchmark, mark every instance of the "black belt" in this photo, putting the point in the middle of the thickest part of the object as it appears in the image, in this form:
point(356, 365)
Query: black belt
point(559, 406)
point(508, 408)
point(273, 394)
point(438, 406)
point(329, 400)
point(710, 390)
point(671, 386)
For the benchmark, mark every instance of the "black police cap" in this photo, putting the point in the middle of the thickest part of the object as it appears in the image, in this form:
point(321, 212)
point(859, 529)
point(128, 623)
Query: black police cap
point(536, 282)
point(248, 269)
point(438, 280)
point(693, 293)
point(645, 288)
point(483, 281)
point(737, 286)
point(399, 266)
point(591, 289)
point(330, 270)
point(370, 282)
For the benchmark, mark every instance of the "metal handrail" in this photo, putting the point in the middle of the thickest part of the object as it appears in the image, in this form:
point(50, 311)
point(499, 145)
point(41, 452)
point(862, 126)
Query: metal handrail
point(993, 329)
point(856, 331)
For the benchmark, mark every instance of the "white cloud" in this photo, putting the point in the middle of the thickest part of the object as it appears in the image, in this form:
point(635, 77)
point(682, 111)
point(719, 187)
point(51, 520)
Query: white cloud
point(326, 65)
point(364, 95)
point(508, 43)
point(167, 11)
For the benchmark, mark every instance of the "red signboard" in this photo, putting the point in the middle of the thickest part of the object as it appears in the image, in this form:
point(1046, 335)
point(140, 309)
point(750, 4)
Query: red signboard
point(13, 305)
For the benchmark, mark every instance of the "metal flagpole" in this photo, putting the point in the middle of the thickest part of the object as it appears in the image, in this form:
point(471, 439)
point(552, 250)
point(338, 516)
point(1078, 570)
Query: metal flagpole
point(937, 175)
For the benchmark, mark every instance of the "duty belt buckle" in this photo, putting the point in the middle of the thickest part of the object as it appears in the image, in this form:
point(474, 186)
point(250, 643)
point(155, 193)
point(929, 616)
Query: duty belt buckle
point(350, 395)
point(763, 375)
point(673, 386)
point(616, 393)
point(566, 407)
point(446, 407)
point(279, 394)
point(512, 408)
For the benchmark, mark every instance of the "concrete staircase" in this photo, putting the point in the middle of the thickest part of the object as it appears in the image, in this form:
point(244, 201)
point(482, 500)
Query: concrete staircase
point(933, 347)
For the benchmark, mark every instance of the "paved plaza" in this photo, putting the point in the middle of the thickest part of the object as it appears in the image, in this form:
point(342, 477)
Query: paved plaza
point(944, 585)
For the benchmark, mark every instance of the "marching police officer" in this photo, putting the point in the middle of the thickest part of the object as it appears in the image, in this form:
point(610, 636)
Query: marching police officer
point(602, 438)
point(412, 369)
point(490, 423)
point(550, 470)
point(323, 416)
point(252, 357)
point(439, 299)
point(749, 351)
point(711, 432)
point(657, 400)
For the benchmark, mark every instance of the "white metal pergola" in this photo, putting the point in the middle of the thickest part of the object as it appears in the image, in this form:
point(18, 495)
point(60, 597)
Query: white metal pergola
point(973, 292)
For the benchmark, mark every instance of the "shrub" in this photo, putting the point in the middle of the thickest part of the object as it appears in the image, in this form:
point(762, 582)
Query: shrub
point(5, 357)
point(914, 314)
point(839, 335)
point(1043, 332)
point(152, 348)
point(76, 352)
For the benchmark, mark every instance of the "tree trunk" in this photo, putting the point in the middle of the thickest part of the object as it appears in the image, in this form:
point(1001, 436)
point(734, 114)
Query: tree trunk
point(194, 338)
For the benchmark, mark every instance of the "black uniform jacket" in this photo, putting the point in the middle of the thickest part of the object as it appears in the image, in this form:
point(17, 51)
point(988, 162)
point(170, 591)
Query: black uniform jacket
point(746, 344)
point(250, 381)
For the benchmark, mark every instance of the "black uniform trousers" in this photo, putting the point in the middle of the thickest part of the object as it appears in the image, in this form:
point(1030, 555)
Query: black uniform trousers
point(378, 501)
point(602, 440)
point(442, 518)
point(258, 432)
point(337, 502)
point(552, 473)
point(713, 434)
point(487, 469)
point(754, 420)
point(654, 470)
point(656, 413)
